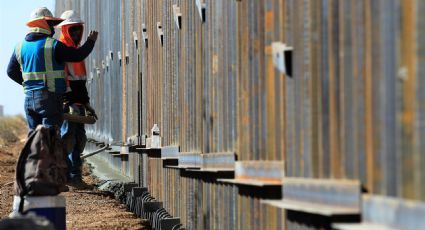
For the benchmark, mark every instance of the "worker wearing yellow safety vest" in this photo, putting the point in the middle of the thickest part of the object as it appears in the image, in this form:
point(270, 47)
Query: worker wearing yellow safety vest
point(37, 64)
point(76, 99)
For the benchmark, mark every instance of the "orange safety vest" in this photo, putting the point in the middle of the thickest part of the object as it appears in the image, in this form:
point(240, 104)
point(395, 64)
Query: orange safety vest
point(74, 71)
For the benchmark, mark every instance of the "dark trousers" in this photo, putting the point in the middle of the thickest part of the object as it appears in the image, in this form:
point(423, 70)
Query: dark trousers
point(74, 137)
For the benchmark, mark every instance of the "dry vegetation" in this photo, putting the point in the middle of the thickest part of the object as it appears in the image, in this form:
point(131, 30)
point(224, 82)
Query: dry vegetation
point(13, 132)
point(12, 129)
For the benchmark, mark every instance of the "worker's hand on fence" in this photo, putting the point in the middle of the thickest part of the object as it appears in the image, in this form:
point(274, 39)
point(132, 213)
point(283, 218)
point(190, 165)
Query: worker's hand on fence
point(93, 35)
point(91, 111)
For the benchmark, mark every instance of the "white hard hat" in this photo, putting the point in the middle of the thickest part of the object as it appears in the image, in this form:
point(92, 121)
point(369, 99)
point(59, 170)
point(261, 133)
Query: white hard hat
point(42, 13)
point(70, 17)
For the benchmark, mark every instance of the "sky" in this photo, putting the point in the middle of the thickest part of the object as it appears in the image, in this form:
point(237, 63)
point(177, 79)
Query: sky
point(13, 16)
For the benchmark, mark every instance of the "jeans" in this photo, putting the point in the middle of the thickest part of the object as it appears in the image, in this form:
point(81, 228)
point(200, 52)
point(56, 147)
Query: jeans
point(74, 137)
point(43, 108)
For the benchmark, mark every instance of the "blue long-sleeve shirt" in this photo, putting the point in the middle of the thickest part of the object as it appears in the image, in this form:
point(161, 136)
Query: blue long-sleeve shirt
point(62, 54)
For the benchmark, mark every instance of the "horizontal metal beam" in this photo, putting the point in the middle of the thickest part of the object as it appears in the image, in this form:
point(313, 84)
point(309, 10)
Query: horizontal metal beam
point(257, 173)
point(320, 196)
point(190, 160)
point(218, 161)
point(170, 152)
point(382, 212)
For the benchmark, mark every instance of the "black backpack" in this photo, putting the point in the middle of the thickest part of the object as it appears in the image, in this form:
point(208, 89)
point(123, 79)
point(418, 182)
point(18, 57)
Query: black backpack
point(41, 169)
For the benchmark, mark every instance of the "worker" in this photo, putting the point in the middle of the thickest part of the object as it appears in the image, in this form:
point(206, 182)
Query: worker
point(37, 64)
point(77, 99)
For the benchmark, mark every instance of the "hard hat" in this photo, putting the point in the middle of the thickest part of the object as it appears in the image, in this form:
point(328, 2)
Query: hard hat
point(42, 13)
point(70, 17)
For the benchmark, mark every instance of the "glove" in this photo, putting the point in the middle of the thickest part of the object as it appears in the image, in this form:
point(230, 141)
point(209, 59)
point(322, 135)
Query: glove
point(91, 111)
point(93, 35)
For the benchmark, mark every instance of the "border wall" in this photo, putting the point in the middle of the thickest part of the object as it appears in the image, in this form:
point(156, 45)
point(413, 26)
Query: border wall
point(352, 110)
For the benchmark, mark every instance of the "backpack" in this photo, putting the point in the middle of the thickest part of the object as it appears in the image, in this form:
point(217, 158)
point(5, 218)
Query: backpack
point(41, 169)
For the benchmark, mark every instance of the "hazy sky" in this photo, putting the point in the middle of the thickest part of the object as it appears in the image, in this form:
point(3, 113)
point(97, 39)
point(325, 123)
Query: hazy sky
point(13, 16)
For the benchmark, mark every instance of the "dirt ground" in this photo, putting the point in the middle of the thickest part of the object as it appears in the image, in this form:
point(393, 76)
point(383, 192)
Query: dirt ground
point(87, 207)
point(8, 155)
